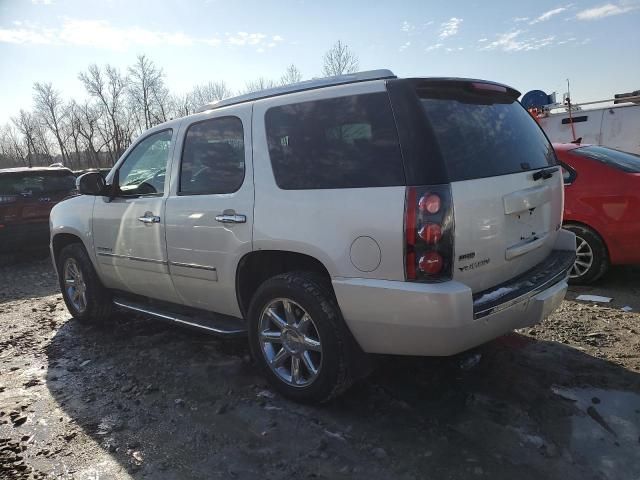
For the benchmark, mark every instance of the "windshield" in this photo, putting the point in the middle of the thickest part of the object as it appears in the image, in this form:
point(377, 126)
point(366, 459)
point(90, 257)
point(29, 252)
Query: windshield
point(482, 135)
point(627, 162)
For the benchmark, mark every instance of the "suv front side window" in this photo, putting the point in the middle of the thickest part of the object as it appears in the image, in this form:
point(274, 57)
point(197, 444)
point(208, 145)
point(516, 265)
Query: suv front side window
point(143, 171)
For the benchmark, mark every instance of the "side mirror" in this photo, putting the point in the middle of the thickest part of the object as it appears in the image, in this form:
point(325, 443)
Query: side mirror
point(91, 183)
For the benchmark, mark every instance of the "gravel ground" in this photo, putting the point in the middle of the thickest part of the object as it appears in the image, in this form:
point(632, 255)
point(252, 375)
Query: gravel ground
point(140, 399)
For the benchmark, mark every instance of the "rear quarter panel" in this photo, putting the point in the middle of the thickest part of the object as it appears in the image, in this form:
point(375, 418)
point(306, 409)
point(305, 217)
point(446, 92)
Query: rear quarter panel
point(325, 223)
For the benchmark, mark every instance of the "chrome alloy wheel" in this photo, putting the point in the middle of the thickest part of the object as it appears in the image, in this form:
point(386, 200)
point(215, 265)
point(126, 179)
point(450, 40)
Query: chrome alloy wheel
point(290, 342)
point(74, 285)
point(584, 258)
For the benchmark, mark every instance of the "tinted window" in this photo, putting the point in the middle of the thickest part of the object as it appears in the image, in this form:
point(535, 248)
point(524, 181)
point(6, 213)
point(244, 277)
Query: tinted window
point(345, 142)
point(213, 157)
point(143, 171)
point(37, 183)
point(482, 135)
point(628, 162)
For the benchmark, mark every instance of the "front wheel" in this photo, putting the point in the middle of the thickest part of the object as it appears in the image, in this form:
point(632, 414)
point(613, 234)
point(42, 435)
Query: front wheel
point(592, 259)
point(298, 338)
point(86, 298)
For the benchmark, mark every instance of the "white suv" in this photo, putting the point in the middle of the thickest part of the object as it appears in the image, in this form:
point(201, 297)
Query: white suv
point(325, 220)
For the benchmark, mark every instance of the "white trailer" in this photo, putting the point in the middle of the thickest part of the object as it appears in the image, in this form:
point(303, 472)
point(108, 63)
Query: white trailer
point(616, 125)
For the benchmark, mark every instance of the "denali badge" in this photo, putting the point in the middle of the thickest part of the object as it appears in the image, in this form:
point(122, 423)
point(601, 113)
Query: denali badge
point(474, 265)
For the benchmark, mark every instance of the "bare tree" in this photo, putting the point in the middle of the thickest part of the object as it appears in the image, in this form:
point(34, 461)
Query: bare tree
point(12, 152)
point(50, 109)
point(181, 105)
point(109, 89)
point(260, 83)
point(291, 75)
point(26, 126)
point(146, 83)
point(209, 92)
point(339, 60)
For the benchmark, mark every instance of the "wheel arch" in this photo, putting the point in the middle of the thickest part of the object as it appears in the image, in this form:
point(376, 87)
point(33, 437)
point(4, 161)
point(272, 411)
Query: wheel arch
point(257, 266)
point(61, 240)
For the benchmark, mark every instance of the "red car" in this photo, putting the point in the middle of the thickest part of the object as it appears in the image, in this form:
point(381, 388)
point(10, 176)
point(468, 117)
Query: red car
point(601, 206)
point(27, 196)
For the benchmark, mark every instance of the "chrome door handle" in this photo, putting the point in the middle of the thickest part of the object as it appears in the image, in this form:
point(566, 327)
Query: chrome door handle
point(149, 217)
point(225, 218)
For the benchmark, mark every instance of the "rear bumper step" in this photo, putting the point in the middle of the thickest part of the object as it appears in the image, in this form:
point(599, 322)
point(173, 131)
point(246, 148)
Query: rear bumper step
point(214, 324)
point(555, 268)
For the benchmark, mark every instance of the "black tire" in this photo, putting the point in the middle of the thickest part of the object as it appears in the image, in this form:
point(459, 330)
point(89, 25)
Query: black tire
point(592, 245)
point(338, 346)
point(98, 299)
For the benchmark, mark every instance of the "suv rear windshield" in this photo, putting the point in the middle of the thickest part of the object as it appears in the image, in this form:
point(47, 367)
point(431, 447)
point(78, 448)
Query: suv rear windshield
point(483, 134)
point(627, 162)
point(37, 183)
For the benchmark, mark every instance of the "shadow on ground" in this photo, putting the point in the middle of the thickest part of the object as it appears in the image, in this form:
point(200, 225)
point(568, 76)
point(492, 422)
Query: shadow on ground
point(168, 403)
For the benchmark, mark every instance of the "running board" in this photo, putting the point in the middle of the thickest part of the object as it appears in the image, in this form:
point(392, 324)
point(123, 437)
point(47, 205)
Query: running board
point(215, 324)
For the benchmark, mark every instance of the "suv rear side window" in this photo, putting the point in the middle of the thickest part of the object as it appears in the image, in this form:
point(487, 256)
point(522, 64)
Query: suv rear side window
point(627, 162)
point(213, 157)
point(483, 135)
point(345, 142)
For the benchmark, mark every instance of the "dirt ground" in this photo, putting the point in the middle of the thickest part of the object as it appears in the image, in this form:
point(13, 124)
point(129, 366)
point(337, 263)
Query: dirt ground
point(141, 399)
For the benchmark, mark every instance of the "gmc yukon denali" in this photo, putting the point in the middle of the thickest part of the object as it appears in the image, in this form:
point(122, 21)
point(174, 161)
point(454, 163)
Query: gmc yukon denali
point(328, 220)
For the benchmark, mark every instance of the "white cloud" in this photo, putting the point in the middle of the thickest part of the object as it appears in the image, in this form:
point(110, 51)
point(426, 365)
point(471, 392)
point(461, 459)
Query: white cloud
point(407, 27)
point(434, 47)
point(42, 2)
point(547, 15)
point(450, 27)
point(606, 10)
point(482, 40)
point(26, 35)
point(244, 38)
point(101, 34)
point(404, 46)
point(520, 19)
point(512, 42)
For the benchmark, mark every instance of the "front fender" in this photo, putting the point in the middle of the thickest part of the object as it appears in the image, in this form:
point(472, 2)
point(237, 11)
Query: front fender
point(73, 216)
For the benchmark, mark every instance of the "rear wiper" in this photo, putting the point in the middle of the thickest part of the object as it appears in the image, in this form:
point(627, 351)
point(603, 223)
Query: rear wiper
point(545, 173)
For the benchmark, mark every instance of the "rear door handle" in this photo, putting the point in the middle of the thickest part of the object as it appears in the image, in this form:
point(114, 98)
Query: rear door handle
point(149, 217)
point(235, 218)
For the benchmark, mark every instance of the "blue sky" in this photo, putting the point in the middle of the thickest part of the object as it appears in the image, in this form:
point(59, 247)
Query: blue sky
point(525, 44)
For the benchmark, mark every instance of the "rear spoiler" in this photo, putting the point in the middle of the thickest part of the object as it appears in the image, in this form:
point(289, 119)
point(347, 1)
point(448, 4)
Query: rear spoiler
point(469, 85)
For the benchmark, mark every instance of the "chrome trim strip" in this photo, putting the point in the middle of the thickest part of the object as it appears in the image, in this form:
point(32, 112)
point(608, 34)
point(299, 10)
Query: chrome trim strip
point(498, 308)
point(171, 318)
point(193, 265)
point(135, 259)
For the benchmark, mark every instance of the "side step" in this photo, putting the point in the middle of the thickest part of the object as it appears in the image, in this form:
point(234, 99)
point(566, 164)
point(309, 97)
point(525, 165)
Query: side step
point(215, 324)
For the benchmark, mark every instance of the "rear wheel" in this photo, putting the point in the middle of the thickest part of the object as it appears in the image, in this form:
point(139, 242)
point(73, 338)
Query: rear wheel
point(83, 293)
point(299, 339)
point(592, 259)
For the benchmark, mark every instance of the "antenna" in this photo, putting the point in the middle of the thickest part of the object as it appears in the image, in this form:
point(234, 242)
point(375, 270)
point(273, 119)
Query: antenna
point(568, 100)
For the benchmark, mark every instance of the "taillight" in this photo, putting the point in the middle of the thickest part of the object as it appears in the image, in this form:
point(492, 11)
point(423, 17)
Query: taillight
point(431, 263)
point(428, 233)
point(429, 203)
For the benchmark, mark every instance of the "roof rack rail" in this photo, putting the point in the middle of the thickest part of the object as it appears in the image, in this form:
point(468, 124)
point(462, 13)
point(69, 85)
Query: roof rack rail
point(300, 87)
